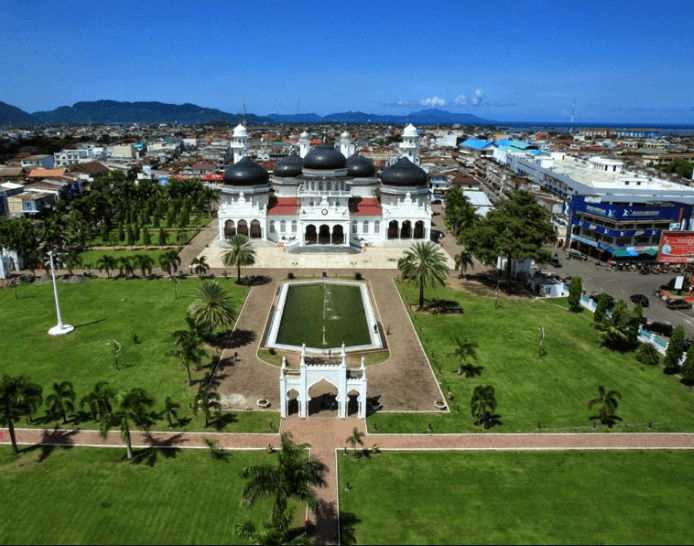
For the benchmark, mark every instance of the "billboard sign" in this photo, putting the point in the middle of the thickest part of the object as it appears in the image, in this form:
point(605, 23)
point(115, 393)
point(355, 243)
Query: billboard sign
point(676, 247)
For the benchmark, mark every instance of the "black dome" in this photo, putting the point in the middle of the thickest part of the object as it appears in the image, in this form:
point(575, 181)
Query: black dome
point(404, 173)
point(246, 173)
point(289, 166)
point(324, 157)
point(360, 167)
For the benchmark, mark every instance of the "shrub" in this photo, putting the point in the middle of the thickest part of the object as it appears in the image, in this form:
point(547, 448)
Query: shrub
point(647, 354)
point(290, 275)
point(357, 276)
point(272, 351)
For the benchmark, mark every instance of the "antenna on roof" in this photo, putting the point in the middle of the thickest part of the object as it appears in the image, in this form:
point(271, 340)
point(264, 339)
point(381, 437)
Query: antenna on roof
point(243, 118)
point(573, 111)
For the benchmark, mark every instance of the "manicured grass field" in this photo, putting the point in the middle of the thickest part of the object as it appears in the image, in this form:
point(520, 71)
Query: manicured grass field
point(323, 315)
point(95, 496)
point(553, 390)
point(103, 310)
point(589, 497)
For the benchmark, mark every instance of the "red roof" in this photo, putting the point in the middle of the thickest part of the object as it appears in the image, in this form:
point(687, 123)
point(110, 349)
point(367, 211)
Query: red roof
point(368, 206)
point(285, 206)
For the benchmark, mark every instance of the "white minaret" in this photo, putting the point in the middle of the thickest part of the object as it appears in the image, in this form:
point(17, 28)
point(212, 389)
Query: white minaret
point(410, 144)
point(304, 144)
point(240, 143)
point(346, 146)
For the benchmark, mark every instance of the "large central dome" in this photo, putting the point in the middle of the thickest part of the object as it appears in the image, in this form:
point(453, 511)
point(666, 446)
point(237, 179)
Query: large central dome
point(404, 173)
point(246, 173)
point(324, 157)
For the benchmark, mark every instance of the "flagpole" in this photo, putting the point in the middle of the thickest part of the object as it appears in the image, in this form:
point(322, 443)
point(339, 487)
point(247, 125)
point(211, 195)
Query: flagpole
point(60, 329)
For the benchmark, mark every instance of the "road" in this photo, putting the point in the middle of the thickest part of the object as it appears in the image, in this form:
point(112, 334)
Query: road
point(622, 284)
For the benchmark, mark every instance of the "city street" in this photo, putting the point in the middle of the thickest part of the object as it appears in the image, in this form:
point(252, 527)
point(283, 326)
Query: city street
point(622, 284)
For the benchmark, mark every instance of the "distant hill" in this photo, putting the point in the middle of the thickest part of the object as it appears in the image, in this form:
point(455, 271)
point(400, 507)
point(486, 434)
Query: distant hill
point(110, 111)
point(11, 115)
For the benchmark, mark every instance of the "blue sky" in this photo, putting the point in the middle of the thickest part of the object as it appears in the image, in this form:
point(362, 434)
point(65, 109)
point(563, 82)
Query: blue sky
point(503, 60)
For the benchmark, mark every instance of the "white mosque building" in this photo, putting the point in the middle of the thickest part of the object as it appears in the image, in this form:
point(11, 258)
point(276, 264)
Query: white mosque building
point(325, 198)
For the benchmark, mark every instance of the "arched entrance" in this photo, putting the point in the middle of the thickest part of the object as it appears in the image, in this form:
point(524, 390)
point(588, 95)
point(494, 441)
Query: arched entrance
point(406, 230)
point(229, 229)
point(338, 235)
point(256, 231)
point(243, 228)
point(310, 238)
point(322, 398)
point(393, 229)
point(292, 402)
point(419, 230)
point(324, 235)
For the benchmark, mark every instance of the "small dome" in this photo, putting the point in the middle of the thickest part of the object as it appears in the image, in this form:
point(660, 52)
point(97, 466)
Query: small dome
point(404, 173)
point(360, 167)
point(246, 173)
point(410, 131)
point(288, 167)
point(345, 135)
point(304, 135)
point(324, 157)
point(240, 131)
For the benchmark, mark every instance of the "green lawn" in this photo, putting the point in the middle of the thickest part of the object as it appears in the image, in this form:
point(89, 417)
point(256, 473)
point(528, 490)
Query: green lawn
point(572, 497)
point(95, 496)
point(553, 390)
point(323, 315)
point(103, 310)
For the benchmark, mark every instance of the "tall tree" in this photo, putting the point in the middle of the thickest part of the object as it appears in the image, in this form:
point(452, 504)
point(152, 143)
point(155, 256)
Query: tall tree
point(144, 263)
point(200, 265)
point(189, 345)
point(106, 263)
point(575, 290)
point(355, 439)
point(516, 230)
point(169, 262)
point(295, 476)
point(424, 265)
point(62, 401)
point(207, 401)
point(240, 255)
point(170, 412)
point(18, 397)
point(466, 348)
point(99, 402)
point(601, 310)
point(482, 403)
point(213, 306)
point(459, 214)
point(675, 348)
point(608, 401)
point(620, 331)
point(133, 409)
point(688, 366)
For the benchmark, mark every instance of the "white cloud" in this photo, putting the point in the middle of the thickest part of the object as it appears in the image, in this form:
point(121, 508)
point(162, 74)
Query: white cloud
point(460, 100)
point(433, 101)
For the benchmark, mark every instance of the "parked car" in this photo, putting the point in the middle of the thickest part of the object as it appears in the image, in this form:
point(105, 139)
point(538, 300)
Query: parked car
point(640, 298)
point(661, 328)
point(556, 262)
point(678, 304)
point(576, 255)
point(610, 300)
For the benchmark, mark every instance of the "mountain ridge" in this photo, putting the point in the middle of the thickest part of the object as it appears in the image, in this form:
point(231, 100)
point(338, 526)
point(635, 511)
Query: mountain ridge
point(107, 111)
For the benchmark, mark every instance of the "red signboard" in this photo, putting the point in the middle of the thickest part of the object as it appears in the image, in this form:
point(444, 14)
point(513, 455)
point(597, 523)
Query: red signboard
point(676, 247)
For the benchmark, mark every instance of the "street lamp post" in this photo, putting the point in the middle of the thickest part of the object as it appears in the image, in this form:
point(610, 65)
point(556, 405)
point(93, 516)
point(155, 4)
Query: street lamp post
point(60, 329)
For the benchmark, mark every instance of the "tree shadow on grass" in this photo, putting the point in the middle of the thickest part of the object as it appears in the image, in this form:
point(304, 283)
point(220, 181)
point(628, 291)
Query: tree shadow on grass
point(610, 421)
point(241, 338)
point(167, 448)
point(348, 522)
point(89, 323)
point(50, 439)
point(220, 421)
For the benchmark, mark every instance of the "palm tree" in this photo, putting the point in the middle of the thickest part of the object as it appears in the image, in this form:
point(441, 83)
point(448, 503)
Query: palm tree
point(62, 401)
point(463, 261)
point(482, 403)
point(355, 438)
point(106, 263)
point(188, 343)
point(169, 262)
point(466, 348)
point(294, 476)
point(608, 405)
point(125, 264)
point(133, 409)
point(200, 265)
point(170, 408)
point(99, 402)
point(240, 255)
point(276, 531)
point(213, 306)
point(425, 265)
point(144, 263)
point(206, 400)
point(18, 397)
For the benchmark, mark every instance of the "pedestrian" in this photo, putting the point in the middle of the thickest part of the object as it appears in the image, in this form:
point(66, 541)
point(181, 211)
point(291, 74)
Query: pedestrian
point(236, 357)
point(388, 330)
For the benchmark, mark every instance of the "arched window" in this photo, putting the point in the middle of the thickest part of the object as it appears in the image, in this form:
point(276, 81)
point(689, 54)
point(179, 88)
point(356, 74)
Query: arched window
point(283, 227)
point(377, 227)
point(354, 226)
point(365, 228)
point(294, 226)
point(272, 226)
